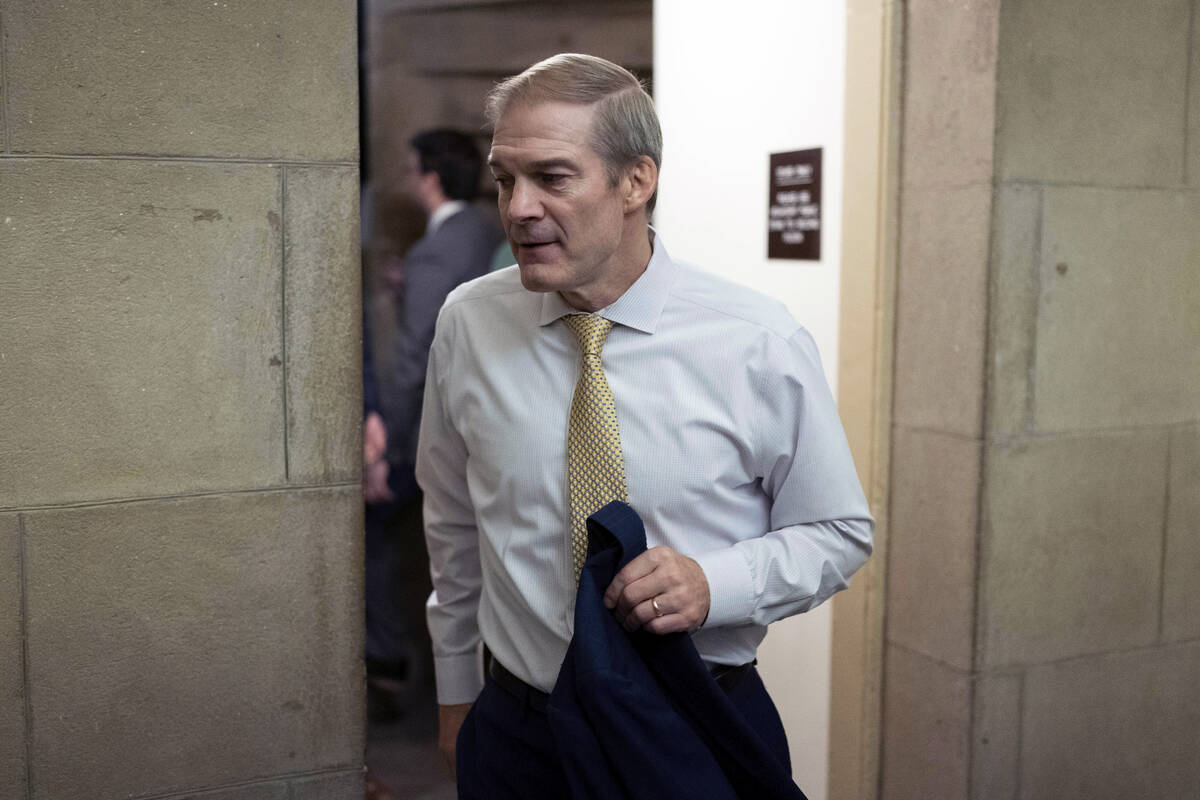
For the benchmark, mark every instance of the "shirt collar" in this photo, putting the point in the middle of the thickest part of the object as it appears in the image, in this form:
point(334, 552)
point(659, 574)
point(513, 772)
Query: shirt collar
point(642, 303)
point(442, 213)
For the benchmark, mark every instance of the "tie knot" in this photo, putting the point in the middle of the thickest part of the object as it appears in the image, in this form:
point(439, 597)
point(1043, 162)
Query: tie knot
point(591, 330)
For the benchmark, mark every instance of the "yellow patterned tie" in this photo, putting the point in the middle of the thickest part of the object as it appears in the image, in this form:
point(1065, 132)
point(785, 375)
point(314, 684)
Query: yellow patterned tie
point(595, 466)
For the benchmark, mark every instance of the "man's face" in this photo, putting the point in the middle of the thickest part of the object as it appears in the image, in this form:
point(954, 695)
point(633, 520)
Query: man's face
point(563, 219)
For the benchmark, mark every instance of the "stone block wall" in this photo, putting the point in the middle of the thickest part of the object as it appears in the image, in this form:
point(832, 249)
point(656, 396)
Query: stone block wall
point(180, 517)
point(1042, 634)
point(933, 572)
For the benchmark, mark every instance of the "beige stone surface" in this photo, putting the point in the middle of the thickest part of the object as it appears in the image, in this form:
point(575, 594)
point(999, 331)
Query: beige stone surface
point(12, 681)
point(949, 92)
point(274, 790)
point(996, 736)
point(1181, 588)
point(335, 786)
point(1013, 301)
point(3, 87)
point(1092, 91)
point(1113, 727)
point(219, 638)
point(1118, 330)
point(926, 728)
point(1072, 546)
point(1193, 135)
point(140, 329)
point(270, 79)
point(324, 334)
point(940, 309)
point(932, 544)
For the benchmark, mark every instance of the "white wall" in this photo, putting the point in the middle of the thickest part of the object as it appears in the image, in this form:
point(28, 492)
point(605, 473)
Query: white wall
point(734, 83)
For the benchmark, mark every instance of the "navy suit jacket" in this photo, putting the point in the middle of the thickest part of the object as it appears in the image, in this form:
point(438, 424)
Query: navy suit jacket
point(638, 715)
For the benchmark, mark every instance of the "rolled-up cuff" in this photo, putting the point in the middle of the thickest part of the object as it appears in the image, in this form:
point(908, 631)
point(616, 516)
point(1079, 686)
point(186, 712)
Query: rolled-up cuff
point(730, 587)
point(459, 678)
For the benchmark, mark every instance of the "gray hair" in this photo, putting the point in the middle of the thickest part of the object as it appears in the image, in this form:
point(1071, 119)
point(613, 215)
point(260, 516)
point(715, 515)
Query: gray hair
point(625, 126)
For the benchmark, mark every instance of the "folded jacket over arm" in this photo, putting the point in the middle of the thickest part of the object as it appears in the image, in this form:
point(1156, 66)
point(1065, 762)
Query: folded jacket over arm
point(639, 715)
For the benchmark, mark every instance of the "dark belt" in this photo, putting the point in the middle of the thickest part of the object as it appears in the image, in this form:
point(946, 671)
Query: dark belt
point(726, 676)
point(531, 697)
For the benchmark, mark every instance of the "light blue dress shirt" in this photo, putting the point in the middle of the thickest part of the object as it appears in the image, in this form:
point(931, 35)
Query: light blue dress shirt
point(734, 456)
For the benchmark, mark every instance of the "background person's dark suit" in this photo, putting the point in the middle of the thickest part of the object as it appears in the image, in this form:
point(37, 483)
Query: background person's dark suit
point(457, 250)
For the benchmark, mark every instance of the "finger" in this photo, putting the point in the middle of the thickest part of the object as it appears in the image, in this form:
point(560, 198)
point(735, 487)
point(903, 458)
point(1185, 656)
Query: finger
point(657, 573)
point(668, 623)
point(636, 569)
point(669, 575)
point(638, 616)
point(643, 590)
point(627, 615)
point(645, 614)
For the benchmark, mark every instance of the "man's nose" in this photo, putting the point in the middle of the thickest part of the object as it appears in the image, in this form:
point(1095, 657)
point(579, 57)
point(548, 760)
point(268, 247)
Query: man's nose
point(524, 204)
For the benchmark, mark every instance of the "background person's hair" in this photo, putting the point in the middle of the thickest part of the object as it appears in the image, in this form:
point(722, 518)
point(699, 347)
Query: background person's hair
point(455, 158)
point(625, 126)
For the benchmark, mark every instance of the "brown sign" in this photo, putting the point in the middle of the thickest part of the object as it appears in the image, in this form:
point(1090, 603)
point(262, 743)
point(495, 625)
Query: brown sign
point(794, 219)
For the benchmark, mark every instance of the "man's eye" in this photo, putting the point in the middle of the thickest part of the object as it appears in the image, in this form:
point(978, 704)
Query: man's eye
point(553, 178)
point(503, 181)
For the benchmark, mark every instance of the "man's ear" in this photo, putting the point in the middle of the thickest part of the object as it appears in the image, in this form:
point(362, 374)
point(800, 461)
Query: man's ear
point(430, 181)
point(429, 185)
point(638, 182)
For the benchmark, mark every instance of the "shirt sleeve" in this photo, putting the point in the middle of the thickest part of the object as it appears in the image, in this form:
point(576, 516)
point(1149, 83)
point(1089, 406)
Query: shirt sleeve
point(452, 539)
point(820, 524)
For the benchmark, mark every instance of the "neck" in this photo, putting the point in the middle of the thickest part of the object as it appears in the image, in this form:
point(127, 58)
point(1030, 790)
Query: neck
point(431, 195)
point(629, 262)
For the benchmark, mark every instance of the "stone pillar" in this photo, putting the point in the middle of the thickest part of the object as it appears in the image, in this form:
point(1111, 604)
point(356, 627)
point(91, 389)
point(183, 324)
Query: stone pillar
point(180, 513)
point(1043, 620)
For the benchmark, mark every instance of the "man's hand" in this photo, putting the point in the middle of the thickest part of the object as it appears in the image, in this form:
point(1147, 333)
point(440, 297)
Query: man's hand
point(375, 468)
point(664, 578)
point(375, 482)
point(374, 438)
point(450, 720)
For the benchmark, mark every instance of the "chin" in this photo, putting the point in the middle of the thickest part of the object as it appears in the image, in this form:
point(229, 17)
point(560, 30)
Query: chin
point(541, 277)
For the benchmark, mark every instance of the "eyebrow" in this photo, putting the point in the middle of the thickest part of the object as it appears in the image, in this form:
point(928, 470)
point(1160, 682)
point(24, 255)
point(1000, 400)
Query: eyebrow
point(541, 166)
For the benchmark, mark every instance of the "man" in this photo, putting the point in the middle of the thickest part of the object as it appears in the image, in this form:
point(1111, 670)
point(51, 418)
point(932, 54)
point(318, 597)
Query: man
point(717, 426)
point(457, 245)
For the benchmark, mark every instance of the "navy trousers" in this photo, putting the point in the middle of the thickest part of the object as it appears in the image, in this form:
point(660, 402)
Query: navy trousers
point(507, 752)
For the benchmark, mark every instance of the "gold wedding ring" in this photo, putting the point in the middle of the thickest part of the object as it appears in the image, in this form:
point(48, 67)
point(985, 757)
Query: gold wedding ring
point(658, 612)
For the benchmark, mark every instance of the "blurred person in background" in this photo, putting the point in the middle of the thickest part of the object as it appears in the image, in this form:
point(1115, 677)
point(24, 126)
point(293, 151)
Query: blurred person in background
point(457, 245)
